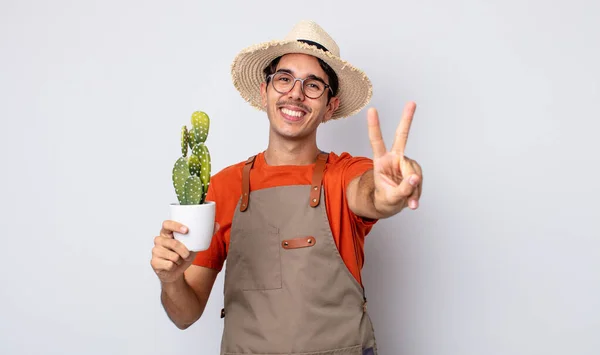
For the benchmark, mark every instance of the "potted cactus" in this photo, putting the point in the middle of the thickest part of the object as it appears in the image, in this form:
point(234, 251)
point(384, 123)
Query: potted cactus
point(191, 178)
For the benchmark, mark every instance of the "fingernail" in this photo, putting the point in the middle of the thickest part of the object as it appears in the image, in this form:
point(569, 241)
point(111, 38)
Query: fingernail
point(413, 204)
point(183, 229)
point(413, 180)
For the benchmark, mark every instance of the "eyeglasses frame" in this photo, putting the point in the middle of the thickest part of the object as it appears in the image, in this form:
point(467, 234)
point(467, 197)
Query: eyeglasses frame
point(327, 86)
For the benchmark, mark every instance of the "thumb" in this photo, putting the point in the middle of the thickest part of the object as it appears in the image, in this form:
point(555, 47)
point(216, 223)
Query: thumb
point(217, 227)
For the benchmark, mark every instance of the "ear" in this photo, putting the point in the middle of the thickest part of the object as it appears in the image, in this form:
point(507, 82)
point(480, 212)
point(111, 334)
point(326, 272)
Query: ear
point(263, 93)
point(334, 103)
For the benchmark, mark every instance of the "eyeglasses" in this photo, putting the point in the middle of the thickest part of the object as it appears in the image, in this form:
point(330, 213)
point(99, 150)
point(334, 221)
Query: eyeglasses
point(311, 87)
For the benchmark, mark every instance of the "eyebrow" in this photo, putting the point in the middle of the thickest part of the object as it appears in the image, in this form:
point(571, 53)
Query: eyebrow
point(311, 76)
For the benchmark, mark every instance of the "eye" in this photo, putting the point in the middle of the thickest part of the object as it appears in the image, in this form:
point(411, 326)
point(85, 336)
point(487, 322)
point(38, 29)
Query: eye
point(283, 77)
point(314, 84)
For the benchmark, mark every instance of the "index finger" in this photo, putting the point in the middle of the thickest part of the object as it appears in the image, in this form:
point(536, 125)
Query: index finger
point(170, 226)
point(403, 129)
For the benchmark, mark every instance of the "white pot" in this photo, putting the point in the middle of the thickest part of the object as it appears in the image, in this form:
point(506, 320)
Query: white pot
point(200, 221)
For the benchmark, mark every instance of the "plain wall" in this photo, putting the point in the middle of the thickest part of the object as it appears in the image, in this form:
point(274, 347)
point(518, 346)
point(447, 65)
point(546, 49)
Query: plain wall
point(502, 257)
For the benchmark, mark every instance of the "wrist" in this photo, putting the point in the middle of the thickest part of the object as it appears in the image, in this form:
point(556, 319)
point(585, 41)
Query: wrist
point(173, 286)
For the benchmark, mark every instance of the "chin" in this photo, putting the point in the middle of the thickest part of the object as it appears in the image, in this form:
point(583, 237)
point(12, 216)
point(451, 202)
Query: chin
point(288, 133)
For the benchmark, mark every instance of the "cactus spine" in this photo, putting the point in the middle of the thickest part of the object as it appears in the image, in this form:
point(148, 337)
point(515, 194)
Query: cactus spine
point(191, 175)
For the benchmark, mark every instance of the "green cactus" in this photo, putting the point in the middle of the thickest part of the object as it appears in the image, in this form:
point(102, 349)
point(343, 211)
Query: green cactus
point(191, 175)
point(194, 163)
point(184, 140)
point(200, 126)
point(194, 190)
point(201, 151)
point(181, 172)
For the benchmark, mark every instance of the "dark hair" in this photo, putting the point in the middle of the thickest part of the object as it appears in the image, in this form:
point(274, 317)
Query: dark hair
point(331, 75)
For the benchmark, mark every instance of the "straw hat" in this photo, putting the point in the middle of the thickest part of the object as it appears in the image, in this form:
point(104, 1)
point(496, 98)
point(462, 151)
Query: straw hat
point(355, 89)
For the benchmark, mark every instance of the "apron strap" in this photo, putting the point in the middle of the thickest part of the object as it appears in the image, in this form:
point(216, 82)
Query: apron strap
point(317, 179)
point(246, 183)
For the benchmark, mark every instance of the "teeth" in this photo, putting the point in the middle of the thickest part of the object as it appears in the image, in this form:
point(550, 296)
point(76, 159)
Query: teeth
point(292, 113)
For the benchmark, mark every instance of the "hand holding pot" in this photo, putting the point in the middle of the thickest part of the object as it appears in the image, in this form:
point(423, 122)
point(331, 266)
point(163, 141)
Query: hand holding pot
point(170, 257)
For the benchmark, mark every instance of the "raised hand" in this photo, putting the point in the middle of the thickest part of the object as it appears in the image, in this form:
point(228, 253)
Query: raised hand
point(398, 180)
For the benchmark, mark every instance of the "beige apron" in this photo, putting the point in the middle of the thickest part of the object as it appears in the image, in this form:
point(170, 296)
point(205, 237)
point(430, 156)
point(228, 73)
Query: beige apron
point(287, 289)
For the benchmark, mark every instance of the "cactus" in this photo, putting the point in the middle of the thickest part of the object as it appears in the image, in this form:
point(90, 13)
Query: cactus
point(201, 151)
point(191, 175)
point(184, 140)
point(200, 125)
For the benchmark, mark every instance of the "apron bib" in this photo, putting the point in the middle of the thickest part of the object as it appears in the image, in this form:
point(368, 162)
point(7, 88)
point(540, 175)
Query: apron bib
point(287, 289)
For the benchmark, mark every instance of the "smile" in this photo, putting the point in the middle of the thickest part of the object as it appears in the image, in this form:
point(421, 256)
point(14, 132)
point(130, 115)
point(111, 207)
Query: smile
point(292, 114)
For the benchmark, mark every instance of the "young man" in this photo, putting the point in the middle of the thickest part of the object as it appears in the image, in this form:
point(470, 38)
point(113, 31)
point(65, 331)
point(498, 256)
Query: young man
point(291, 221)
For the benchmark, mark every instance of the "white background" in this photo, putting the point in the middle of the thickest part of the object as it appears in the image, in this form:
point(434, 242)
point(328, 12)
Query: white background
point(503, 257)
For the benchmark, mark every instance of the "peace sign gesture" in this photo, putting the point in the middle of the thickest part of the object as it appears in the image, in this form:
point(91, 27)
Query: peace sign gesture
point(398, 180)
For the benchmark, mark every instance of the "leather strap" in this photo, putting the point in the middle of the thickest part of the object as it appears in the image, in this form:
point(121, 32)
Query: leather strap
point(302, 242)
point(246, 183)
point(317, 179)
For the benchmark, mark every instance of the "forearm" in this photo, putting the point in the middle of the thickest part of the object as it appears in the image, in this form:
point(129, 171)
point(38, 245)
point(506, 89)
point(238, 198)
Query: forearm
point(180, 303)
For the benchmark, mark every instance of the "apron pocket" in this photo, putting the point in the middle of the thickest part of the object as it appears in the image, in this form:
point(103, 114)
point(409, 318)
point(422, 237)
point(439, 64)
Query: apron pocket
point(260, 261)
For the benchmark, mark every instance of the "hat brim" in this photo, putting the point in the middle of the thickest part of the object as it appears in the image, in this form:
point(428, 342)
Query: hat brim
point(355, 89)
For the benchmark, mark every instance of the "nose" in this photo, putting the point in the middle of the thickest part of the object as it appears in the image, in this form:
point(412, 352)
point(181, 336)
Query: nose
point(296, 91)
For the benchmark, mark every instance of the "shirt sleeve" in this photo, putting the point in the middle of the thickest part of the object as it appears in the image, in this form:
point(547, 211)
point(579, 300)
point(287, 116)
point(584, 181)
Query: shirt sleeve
point(214, 256)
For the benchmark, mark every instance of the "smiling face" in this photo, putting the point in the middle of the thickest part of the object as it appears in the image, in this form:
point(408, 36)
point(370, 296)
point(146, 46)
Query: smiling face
point(293, 115)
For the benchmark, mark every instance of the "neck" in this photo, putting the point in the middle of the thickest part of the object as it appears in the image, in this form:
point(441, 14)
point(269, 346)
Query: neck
point(291, 152)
